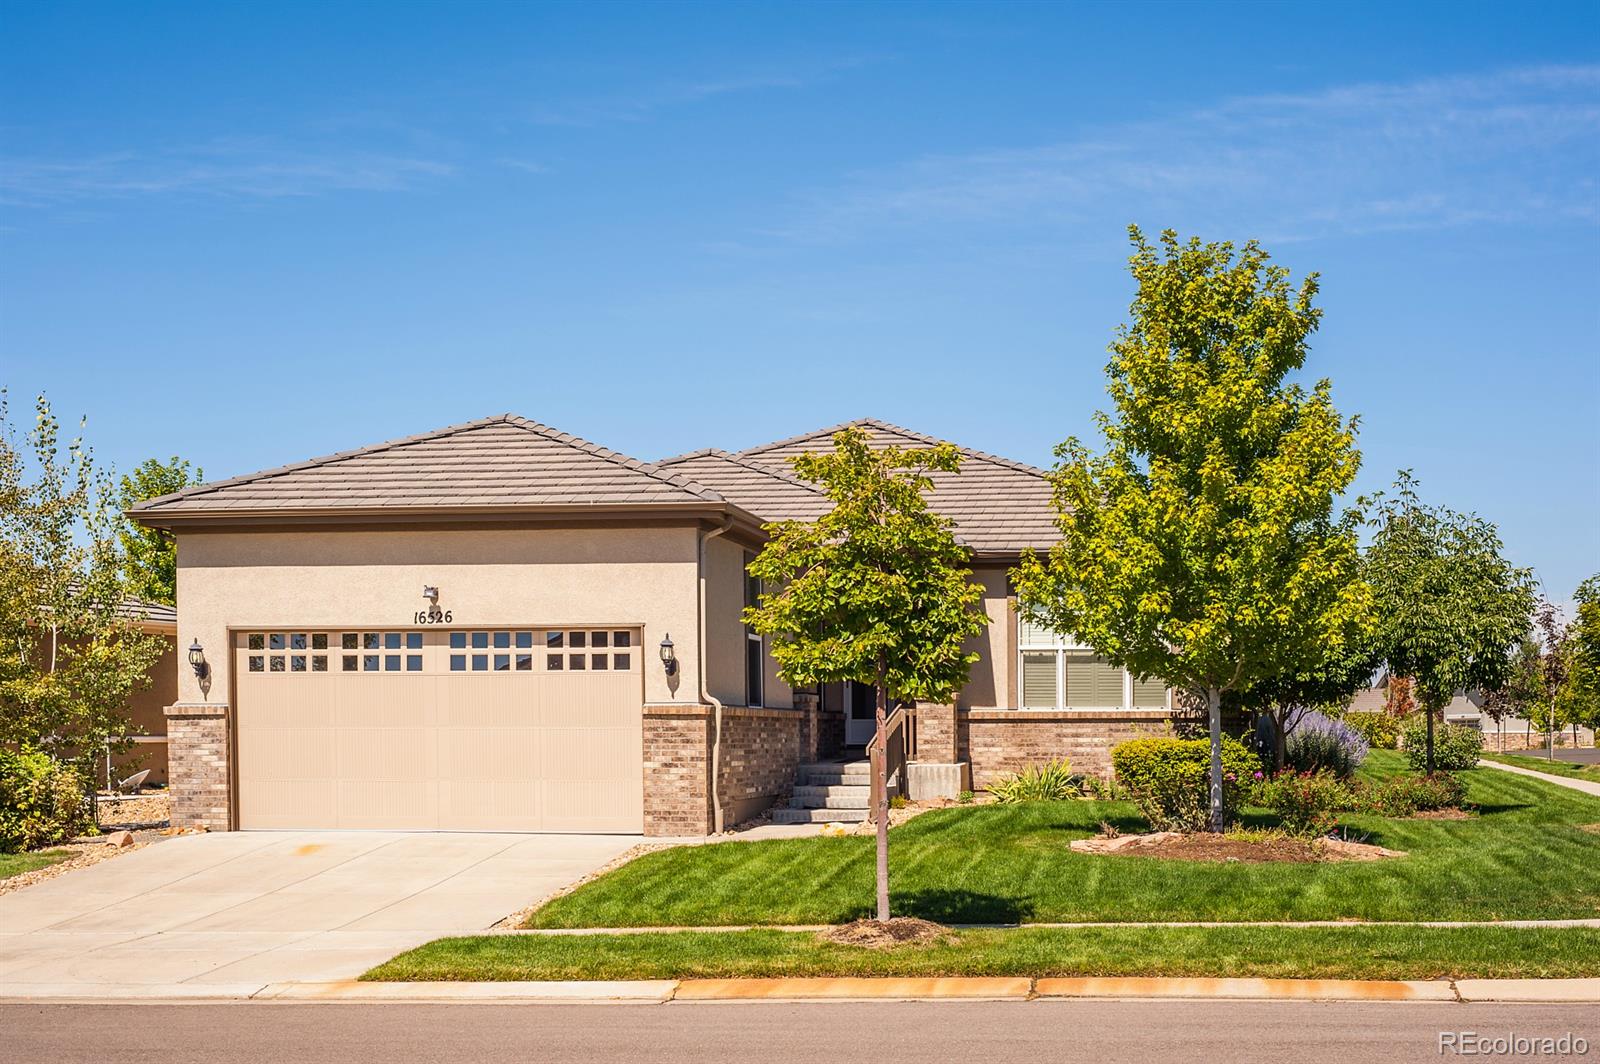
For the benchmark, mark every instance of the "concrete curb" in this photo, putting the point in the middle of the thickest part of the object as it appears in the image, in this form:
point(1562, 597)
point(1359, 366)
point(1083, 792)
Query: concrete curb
point(1250, 989)
point(635, 990)
point(1546, 990)
point(854, 989)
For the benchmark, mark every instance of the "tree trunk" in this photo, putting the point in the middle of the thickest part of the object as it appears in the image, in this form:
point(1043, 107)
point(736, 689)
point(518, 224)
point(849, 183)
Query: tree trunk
point(882, 812)
point(1214, 707)
point(1428, 761)
point(1280, 744)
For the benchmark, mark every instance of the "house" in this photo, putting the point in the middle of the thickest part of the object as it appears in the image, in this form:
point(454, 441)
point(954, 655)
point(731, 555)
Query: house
point(500, 626)
point(146, 707)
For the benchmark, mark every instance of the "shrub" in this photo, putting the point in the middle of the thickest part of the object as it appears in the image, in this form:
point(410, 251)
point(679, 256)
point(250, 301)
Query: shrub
point(1380, 730)
point(1406, 795)
point(1319, 743)
point(42, 801)
point(1104, 790)
point(1170, 779)
point(1050, 782)
point(1455, 746)
point(965, 797)
point(1304, 801)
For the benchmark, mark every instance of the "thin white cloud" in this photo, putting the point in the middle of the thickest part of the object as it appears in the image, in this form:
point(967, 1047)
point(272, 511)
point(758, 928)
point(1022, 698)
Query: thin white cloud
point(245, 169)
point(1503, 147)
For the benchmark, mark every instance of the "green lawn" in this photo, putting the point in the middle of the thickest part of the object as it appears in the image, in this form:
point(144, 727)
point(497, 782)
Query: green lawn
point(14, 864)
point(1554, 767)
point(1526, 856)
point(1328, 953)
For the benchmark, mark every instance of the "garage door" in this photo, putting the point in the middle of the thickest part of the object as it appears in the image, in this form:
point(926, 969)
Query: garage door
point(506, 729)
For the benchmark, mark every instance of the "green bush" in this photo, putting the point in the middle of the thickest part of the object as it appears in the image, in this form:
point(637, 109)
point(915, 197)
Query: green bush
point(1169, 779)
point(1050, 782)
point(1305, 802)
point(1455, 746)
point(42, 801)
point(1380, 730)
point(1408, 795)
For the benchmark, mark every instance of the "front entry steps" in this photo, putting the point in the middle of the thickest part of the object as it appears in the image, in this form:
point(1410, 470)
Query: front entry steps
point(829, 792)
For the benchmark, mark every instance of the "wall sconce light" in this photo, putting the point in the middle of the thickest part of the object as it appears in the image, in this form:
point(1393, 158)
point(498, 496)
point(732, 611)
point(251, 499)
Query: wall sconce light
point(197, 659)
point(430, 593)
point(668, 660)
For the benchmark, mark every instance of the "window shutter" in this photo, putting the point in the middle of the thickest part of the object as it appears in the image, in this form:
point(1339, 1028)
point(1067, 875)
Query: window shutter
point(1039, 681)
point(1149, 694)
point(1092, 683)
point(1037, 635)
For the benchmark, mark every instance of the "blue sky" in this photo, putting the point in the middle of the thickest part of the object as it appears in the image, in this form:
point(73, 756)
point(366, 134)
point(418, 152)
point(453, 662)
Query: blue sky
point(250, 234)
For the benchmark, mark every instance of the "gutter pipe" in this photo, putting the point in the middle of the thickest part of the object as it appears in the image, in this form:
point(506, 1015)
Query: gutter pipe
point(706, 695)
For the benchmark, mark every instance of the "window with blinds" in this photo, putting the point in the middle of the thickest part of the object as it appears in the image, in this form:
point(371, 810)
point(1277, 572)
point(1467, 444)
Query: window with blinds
point(1056, 673)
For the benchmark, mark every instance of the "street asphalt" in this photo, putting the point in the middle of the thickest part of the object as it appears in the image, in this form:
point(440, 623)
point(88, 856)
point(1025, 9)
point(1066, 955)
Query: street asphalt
point(1108, 1032)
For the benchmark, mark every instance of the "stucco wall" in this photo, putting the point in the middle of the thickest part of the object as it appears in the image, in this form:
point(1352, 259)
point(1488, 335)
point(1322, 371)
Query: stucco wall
point(486, 578)
point(988, 682)
point(725, 631)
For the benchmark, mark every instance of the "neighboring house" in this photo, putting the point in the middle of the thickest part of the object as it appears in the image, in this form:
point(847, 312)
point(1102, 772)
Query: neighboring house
point(146, 706)
point(469, 629)
point(1510, 732)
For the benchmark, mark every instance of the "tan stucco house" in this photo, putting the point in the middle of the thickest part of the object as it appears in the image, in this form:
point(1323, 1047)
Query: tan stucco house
point(468, 629)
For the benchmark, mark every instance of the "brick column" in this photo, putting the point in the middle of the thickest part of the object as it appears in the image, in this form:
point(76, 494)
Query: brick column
point(937, 740)
point(677, 770)
point(810, 709)
point(199, 780)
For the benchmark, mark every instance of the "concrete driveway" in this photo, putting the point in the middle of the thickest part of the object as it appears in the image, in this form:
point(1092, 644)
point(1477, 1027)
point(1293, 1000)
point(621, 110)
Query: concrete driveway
point(228, 913)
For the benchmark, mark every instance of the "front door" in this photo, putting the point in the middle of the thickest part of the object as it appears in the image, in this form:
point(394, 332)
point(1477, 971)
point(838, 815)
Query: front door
point(860, 713)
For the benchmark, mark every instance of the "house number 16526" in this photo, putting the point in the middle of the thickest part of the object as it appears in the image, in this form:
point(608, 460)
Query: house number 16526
point(431, 617)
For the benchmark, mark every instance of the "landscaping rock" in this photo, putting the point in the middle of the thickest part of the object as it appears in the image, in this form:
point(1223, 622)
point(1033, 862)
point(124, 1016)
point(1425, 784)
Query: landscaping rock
point(120, 839)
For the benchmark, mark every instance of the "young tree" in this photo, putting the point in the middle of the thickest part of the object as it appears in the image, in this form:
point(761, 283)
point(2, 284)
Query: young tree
point(69, 658)
point(1552, 708)
point(1520, 689)
point(1582, 694)
point(1449, 606)
point(1202, 546)
point(152, 553)
point(877, 590)
point(1397, 700)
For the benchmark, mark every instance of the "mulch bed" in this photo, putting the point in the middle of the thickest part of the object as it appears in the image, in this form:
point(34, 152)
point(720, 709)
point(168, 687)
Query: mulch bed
point(1205, 846)
point(898, 931)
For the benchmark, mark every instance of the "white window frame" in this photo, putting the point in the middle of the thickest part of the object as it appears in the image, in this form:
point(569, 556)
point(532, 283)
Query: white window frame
point(1060, 644)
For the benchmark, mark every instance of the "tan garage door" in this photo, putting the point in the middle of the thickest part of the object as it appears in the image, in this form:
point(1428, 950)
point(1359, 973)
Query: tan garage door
point(505, 729)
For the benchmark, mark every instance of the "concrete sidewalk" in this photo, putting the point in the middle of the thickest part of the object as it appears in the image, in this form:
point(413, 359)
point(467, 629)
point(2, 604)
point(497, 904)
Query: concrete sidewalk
point(673, 991)
point(1560, 781)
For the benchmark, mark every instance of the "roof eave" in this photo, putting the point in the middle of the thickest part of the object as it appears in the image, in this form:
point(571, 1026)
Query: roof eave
point(175, 517)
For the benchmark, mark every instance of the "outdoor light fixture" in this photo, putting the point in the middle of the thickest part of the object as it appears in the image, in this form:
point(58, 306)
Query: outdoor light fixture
point(197, 658)
point(430, 593)
point(667, 659)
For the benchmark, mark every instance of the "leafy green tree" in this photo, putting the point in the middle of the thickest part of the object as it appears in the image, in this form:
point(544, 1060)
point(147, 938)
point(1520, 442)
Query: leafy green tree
point(1329, 685)
point(1450, 608)
point(152, 553)
point(68, 656)
point(1202, 546)
point(876, 591)
point(1521, 688)
point(1582, 692)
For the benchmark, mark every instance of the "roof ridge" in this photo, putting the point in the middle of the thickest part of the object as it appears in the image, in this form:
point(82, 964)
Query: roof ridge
point(921, 437)
point(527, 424)
point(649, 469)
point(745, 463)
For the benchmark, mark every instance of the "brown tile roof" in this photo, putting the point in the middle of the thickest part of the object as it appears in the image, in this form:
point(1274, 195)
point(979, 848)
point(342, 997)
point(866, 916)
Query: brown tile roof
point(497, 462)
point(999, 506)
point(767, 491)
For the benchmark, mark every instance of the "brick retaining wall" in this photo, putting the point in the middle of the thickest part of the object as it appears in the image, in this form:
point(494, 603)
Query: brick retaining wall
point(1000, 741)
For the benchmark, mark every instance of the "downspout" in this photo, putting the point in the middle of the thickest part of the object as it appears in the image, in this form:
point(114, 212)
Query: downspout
point(706, 695)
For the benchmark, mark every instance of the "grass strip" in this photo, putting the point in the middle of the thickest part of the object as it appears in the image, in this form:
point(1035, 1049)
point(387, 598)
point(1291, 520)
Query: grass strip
point(14, 864)
point(1295, 953)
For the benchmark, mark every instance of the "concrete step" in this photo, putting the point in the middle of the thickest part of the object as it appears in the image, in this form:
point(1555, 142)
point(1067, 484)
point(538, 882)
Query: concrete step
point(818, 816)
point(823, 776)
point(850, 798)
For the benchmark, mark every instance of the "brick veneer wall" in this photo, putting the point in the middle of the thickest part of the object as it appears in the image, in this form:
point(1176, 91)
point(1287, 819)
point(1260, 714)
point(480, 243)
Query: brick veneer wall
point(760, 748)
point(198, 756)
point(998, 741)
